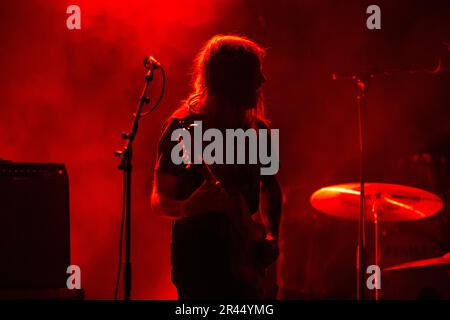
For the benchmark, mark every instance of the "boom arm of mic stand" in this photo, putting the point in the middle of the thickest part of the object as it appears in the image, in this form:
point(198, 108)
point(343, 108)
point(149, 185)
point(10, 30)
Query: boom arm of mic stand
point(438, 67)
point(144, 99)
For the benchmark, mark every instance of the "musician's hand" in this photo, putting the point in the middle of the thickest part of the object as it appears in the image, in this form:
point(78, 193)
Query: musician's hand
point(265, 252)
point(238, 204)
point(209, 197)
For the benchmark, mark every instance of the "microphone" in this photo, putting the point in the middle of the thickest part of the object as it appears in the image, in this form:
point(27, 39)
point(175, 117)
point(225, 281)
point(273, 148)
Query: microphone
point(150, 62)
point(443, 64)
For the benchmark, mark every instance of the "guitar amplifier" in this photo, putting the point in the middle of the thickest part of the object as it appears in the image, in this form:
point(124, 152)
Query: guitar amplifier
point(34, 226)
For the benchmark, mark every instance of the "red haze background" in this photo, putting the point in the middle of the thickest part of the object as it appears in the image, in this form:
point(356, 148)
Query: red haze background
point(67, 95)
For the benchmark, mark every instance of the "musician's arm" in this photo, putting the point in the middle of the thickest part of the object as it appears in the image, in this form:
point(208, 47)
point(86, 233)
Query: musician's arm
point(207, 198)
point(163, 204)
point(166, 177)
point(271, 201)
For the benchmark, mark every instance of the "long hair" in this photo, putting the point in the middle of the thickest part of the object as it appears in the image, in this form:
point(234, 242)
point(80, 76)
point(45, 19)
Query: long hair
point(228, 68)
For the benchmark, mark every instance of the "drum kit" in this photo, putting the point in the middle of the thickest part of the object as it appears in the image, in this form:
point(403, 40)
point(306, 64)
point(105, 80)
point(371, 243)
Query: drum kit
point(376, 203)
point(383, 203)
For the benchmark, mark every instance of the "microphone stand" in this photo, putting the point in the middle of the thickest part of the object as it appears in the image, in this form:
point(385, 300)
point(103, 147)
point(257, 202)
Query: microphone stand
point(362, 81)
point(126, 155)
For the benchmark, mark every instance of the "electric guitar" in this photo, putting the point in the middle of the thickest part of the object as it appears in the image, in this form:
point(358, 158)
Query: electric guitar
point(256, 255)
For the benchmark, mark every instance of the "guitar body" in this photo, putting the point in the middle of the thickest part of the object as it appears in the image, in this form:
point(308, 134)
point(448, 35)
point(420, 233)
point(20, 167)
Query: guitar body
point(261, 256)
point(255, 254)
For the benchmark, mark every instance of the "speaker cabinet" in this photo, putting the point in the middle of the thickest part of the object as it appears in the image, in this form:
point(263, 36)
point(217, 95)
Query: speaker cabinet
point(34, 226)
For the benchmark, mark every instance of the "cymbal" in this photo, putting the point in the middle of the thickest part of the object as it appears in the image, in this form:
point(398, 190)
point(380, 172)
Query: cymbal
point(394, 202)
point(443, 261)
